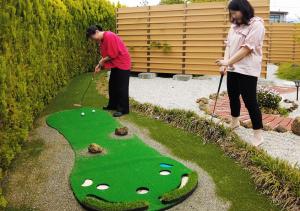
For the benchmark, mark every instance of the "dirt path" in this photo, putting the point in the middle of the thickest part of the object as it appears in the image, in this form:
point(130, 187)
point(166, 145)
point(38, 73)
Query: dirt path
point(43, 183)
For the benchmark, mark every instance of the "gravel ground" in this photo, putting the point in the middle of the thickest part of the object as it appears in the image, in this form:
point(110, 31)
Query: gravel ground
point(45, 186)
point(169, 94)
point(204, 197)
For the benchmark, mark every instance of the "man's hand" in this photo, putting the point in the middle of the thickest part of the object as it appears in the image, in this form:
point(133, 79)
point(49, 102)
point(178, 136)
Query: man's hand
point(222, 62)
point(223, 70)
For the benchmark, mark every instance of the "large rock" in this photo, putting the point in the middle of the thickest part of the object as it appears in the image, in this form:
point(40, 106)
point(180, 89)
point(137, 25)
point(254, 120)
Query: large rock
point(123, 131)
point(95, 148)
point(296, 126)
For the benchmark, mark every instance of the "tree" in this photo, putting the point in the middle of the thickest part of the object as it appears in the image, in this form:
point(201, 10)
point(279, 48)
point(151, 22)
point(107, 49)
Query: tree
point(143, 3)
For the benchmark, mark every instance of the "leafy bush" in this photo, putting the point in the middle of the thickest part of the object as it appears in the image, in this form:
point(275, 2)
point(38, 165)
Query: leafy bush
point(268, 98)
point(42, 45)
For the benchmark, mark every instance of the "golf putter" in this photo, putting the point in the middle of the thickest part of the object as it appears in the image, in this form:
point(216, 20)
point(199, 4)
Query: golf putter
point(83, 96)
point(219, 88)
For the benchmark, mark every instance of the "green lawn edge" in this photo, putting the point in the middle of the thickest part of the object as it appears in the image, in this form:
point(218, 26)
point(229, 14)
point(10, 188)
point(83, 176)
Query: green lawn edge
point(173, 197)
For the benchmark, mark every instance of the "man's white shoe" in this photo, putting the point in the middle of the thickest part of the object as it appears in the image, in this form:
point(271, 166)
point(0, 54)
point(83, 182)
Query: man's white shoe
point(258, 138)
point(235, 123)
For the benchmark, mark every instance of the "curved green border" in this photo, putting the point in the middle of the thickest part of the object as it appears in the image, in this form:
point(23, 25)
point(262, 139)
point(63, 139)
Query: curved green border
point(180, 194)
point(95, 203)
point(173, 197)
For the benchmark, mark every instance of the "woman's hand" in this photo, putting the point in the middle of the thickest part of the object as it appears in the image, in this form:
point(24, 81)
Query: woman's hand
point(223, 70)
point(101, 62)
point(97, 69)
point(222, 62)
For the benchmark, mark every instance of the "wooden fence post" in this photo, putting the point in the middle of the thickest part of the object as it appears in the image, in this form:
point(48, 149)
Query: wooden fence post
point(148, 39)
point(184, 40)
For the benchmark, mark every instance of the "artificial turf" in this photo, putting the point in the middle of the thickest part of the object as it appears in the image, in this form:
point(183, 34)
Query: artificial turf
point(233, 183)
point(127, 165)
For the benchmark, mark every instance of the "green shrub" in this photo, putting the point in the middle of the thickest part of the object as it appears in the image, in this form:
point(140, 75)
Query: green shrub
point(268, 98)
point(289, 71)
point(42, 46)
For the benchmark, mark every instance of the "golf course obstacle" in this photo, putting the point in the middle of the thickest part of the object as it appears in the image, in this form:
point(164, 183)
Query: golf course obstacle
point(129, 176)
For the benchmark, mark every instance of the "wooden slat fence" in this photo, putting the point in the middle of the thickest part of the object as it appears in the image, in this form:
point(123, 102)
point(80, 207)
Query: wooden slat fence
point(284, 43)
point(180, 38)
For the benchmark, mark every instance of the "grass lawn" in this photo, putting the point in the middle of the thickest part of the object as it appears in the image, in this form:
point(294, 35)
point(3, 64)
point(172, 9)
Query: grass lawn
point(288, 71)
point(233, 183)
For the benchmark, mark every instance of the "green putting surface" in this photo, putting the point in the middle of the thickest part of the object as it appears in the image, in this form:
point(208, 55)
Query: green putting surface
point(126, 166)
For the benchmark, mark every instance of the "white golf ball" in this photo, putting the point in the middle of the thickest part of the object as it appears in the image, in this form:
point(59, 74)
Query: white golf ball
point(82, 114)
point(93, 111)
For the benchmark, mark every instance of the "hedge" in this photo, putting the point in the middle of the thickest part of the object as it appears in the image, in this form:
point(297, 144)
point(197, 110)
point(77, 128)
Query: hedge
point(42, 46)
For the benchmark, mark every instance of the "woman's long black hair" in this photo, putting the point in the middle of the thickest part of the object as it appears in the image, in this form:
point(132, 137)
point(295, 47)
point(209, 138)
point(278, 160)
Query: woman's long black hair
point(244, 7)
point(92, 30)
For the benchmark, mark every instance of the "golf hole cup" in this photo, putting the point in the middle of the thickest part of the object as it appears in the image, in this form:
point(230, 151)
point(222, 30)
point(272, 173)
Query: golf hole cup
point(82, 113)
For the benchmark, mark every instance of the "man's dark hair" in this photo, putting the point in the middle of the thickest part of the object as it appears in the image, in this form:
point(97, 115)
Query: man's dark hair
point(92, 30)
point(244, 7)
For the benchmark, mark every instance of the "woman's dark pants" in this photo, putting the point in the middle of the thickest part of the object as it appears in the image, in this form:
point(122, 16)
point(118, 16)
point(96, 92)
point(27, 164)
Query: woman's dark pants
point(119, 90)
point(245, 85)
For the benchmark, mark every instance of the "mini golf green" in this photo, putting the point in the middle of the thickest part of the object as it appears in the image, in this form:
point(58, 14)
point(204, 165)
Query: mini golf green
point(129, 175)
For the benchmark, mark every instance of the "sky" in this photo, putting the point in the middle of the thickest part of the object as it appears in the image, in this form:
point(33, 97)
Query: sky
point(291, 6)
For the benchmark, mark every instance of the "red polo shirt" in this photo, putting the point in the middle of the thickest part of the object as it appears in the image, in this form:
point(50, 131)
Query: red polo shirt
point(112, 46)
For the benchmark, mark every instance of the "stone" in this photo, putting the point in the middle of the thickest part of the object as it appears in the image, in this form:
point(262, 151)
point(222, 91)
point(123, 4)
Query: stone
point(246, 124)
point(213, 96)
point(288, 101)
point(95, 148)
point(296, 126)
point(224, 93)
point(203, 77)
point(180, 77)
point(280, 129)
point(267, 128)
point(123, 131)
point(202, 100)
point(147, 75)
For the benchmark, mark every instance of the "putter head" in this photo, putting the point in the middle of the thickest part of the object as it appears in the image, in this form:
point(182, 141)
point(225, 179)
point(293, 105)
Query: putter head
point(77, 105)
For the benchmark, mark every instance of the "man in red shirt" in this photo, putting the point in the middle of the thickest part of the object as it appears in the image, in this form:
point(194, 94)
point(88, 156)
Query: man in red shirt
point(115, 56)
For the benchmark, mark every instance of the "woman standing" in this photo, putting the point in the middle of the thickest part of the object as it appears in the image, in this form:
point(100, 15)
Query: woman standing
point(115, 56)
point(242, 62)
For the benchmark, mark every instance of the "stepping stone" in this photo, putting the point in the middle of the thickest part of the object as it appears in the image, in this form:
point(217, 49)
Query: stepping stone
point(182, 77)
point(147, 75)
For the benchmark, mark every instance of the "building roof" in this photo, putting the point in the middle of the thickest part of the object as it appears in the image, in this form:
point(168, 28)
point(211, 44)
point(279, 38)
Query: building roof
point(279, 12)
